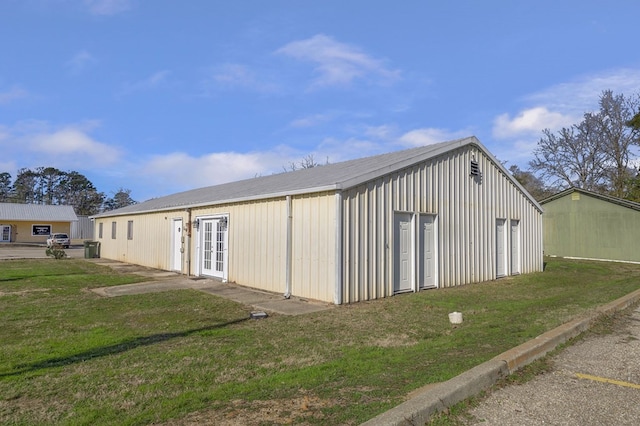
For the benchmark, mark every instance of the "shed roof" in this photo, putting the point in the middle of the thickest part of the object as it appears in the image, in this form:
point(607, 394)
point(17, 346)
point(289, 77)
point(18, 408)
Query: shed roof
point(36, 212)
point(335, 176)
point(619, 201)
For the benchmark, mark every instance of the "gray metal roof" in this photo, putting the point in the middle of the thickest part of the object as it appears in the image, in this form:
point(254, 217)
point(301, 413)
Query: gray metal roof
point(36, 212)
point(619, 201)
point(336, 176)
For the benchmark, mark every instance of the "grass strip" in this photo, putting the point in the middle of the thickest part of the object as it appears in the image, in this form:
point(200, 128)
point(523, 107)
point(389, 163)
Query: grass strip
point(70, 357)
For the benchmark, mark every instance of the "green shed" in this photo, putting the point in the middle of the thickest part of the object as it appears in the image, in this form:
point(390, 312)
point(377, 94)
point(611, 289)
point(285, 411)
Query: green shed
point(584, 224)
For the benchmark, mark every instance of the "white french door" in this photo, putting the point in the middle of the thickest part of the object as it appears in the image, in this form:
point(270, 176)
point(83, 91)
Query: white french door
point(213, 247)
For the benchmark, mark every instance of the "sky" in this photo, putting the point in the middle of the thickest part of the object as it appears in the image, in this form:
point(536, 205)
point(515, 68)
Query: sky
point(162, 96)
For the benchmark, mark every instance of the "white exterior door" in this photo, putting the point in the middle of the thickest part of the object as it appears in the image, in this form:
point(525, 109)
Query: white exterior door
point(515, 247)
point(402, 252)
point(177, 247)
point(213, 247)
point(427, 266)
point(501, 243)
point(5, 233)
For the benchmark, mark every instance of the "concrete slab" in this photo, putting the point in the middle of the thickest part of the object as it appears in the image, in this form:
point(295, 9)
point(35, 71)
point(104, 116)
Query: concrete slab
point(166, 281)
point(291, 306)
point(140, 288)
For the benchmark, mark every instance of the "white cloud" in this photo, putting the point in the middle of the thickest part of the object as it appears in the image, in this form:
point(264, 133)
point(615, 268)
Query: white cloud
point(337, 64)
point(381, 139)
point(80, 61)
point(72, 146)
point(582, 94)
point(156, 80)
point(383, 132)
point(233, 75)
point(107, 7)
point(310, 121)
point(206, 170)
point(13, 94)
point(36, 143)
point(429, 136)
point(335, 150)
point(530, 121)
point(180, 171)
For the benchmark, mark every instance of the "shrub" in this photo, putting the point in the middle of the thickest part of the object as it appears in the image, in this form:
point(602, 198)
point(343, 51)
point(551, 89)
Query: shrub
point(56, 251)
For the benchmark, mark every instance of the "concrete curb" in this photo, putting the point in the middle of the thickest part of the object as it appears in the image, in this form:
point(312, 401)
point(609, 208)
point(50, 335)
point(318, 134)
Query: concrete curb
point(420, 408)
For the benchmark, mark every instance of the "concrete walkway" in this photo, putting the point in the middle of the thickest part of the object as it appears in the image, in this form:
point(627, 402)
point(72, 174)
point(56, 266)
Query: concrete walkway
point(165, 281)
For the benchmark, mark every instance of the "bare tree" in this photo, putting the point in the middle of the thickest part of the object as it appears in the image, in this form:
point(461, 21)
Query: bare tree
point(534, 185)
point(307, 162)
point(573, 157)
point(616, 112)
point(595, 153)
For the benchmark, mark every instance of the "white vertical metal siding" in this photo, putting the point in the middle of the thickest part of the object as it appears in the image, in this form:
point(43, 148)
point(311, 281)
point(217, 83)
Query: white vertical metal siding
point(150, 245)
point(257, 241)
point(313, 246)
point(466, 208)
point(258, 244)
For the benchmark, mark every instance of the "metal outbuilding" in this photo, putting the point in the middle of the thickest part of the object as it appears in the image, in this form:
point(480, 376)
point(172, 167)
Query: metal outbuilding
point(32, 223)
point(587, 225)
point(435, 216)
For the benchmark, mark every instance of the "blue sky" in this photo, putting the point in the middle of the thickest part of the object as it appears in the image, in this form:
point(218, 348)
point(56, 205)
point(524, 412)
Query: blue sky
point(160, 96)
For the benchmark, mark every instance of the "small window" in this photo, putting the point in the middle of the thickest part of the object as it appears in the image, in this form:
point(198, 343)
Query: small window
point(113, 230)
point(100, 229)
point(130, 230)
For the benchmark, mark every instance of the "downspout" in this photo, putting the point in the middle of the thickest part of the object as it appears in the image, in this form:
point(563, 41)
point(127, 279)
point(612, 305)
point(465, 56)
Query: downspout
point(289, 248)
point(189, 227)
point(337, 297)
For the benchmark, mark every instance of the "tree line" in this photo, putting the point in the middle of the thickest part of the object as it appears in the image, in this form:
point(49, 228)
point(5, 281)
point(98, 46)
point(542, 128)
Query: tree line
point(51, 186)
point(598, 154)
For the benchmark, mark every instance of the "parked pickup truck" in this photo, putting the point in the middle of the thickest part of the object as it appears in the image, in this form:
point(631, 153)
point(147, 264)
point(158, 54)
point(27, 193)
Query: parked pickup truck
point(58, 239)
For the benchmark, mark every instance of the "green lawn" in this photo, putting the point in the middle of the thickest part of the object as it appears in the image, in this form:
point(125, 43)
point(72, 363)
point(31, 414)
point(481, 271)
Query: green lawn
point(69, 356)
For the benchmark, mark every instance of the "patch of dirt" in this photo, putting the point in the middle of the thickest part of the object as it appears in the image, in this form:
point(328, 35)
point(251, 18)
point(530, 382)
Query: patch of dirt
point(271, 412)
point(23, 292)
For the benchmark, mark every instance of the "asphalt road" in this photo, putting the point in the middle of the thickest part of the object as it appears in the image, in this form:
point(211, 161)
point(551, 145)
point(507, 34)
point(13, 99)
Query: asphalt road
point(596, 381)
